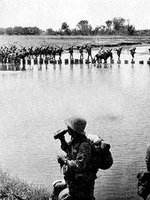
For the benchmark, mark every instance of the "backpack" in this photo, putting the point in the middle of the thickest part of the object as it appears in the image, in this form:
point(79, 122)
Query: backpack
point(101, 155)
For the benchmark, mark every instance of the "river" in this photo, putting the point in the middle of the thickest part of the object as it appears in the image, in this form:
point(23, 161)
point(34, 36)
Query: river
point(115, 100)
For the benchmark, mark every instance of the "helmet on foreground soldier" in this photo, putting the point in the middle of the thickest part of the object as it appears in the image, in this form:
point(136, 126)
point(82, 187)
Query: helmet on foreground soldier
point(77, 124)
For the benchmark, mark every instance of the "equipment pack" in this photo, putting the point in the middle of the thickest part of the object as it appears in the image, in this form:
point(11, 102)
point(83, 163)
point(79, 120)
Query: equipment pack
point(101, 155)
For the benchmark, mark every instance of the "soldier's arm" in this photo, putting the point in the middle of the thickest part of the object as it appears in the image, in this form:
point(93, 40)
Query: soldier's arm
point(64, 145)
point(82, 159)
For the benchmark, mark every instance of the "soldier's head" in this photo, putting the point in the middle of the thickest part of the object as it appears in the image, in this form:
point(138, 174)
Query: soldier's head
point(76, 126)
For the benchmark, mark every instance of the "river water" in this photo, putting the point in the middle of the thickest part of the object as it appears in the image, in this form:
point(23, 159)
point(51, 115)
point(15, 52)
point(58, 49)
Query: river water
point(115, 100)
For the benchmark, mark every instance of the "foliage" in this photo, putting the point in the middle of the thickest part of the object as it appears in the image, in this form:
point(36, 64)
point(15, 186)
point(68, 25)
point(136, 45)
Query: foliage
point(130, 29)
point(50, 31)
point(65, 29)
point(64, 26)
point(84, 27)
point(143, 32)
point(2, 31)
point(115, 26)
point(10, 186)
point(18, 30)
point(118, 24)
point(109, 24)
point(9, 31)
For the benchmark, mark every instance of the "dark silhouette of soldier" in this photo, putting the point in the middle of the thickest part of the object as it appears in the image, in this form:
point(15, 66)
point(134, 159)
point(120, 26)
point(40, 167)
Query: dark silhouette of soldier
point(70, 49)
point(144, 178)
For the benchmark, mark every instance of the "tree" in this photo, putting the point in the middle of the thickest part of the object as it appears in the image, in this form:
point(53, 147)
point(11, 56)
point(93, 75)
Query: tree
point(31, 31)
point(102, 29)
point(130, 29)
point(109, 24)
point(36, 31)
point(65, 29)
point(50, 31)
point(84, 27)
point(2, 31)
point(18, 30)
point(118, 24)
point(96, 30)
point(9, 31)
point(64, 26)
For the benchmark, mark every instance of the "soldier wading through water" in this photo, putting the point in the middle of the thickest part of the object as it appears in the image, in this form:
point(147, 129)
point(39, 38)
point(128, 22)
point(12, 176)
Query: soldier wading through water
point(84, 156)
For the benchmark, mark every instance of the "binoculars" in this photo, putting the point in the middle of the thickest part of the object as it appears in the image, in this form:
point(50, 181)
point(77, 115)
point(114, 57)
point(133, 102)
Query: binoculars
point(105, 146)
point(59, 134)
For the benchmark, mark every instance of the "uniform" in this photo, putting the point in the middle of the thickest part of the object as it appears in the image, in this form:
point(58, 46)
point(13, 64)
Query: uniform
point(79, 174)
point(144, 178)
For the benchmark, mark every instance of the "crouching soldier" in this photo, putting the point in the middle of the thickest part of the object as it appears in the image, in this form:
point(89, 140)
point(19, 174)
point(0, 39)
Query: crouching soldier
point(144, 178)
point(79, 172)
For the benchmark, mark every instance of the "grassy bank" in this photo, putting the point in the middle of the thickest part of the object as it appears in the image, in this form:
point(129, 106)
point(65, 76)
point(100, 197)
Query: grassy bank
point(10, 186)
point(66, 41)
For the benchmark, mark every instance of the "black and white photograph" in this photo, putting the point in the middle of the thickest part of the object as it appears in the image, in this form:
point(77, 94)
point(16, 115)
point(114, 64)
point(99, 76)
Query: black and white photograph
point(75, 99)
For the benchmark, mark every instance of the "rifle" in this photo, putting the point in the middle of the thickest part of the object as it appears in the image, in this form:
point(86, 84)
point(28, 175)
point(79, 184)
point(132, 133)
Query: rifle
point(57, 46)
point(21, 45)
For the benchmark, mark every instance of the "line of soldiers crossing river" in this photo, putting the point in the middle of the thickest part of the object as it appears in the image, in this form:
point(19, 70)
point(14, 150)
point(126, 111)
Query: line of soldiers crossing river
point(15, 56)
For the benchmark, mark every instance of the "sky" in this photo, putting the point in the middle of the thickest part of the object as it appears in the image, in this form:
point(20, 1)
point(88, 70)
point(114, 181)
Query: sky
point(52, 13)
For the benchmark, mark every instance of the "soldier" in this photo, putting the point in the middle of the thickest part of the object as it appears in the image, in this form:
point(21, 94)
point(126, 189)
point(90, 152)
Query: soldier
point(80, 49)
point(89, 51)
point(78, 174)
point(119, 52)
point(54, 53)
point(144, 178)
point(60, 50)
point(78, 166)
point(70, 49)
point(132, 52)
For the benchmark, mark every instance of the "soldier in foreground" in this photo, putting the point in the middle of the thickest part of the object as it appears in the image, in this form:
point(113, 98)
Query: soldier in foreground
point(81, 162)
point(144, 178)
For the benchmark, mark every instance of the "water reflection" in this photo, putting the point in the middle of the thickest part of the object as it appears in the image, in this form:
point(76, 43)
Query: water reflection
point(114, 99)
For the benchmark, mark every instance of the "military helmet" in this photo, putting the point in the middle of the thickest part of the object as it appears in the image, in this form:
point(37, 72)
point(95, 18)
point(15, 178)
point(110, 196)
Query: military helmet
point(77, 124)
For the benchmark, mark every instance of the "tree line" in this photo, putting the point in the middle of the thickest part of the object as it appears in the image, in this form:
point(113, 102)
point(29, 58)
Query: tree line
point(116, 26)
point(18, 30)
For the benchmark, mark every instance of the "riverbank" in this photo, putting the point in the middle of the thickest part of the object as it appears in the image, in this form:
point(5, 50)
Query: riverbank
point(11, 187)
point(66, 41)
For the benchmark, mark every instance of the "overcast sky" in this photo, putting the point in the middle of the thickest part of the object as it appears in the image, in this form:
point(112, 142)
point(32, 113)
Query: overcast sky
point(51, 13)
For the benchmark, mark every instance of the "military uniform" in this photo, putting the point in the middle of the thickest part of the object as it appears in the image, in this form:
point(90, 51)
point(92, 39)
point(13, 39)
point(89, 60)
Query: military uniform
point(132, 51)
point(144, 178)
point(79, 174)
point(81, 52)
point(71, 52)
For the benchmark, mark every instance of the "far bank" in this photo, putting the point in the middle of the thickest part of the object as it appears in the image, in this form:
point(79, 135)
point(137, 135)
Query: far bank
point(66, 41)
